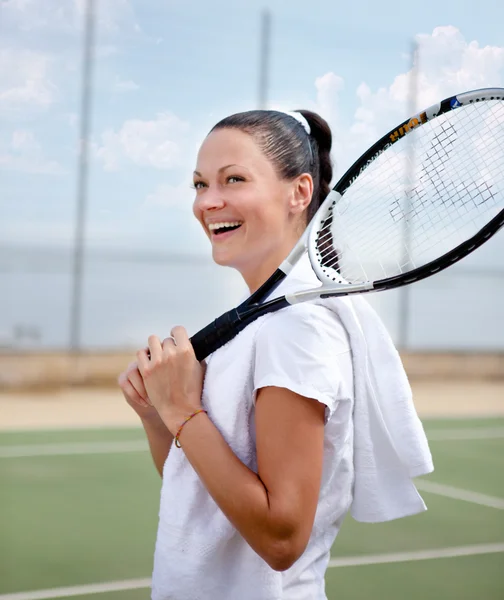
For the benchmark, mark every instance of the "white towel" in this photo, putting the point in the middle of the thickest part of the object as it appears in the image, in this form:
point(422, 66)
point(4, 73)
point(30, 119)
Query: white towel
point(390, 445)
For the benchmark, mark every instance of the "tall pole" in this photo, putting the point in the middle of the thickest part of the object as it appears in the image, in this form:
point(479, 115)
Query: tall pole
point(82, 176)
point(264, 58)
point(404, 297)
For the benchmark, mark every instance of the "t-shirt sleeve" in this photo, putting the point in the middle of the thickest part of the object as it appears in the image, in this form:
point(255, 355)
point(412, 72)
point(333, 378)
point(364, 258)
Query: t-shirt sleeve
point(305, 349)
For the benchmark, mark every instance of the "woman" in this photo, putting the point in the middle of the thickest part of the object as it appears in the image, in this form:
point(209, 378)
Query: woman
point(261, 475)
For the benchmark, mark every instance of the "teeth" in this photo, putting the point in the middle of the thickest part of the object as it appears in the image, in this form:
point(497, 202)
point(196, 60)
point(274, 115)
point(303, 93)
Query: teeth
point(214, 226)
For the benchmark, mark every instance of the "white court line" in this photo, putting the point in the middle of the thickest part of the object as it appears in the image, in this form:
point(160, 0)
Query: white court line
point(80, 590)
point(350, 561)
point(69, 449)
point(381, 559)
point(31, 450)
point(482, 433)
point(458, 494)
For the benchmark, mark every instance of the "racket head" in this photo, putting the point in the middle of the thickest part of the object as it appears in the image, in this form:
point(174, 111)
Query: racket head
point(425, 195)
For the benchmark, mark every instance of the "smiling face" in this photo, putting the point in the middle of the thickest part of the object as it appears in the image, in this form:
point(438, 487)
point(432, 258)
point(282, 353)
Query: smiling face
point(252, 217)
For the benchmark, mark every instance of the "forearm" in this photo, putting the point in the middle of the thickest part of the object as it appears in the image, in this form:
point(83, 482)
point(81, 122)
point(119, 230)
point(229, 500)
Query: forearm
point(160, 441)
point(238, 491)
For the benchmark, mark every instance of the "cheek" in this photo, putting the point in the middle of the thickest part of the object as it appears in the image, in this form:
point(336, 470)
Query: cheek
point(197, 211)
point(270, 215)
point(262, 207)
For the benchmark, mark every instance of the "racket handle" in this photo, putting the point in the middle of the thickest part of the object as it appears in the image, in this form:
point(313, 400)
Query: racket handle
point(218, 333)
point(228, 325)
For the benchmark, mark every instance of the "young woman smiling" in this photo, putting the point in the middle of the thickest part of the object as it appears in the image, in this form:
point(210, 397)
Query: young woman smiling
point(261, 473)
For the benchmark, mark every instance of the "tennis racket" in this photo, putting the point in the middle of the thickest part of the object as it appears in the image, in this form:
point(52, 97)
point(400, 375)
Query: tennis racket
point(424, 196)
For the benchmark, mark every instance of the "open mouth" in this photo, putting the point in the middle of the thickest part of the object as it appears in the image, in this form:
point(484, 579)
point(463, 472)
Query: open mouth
point(220, 228)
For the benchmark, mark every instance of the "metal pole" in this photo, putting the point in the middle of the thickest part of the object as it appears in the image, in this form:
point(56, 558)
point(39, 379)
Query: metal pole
point(264, 58)
point(404, 297)
point(82, 176)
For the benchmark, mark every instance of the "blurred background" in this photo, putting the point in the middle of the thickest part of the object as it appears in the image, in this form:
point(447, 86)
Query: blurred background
point(103, 104)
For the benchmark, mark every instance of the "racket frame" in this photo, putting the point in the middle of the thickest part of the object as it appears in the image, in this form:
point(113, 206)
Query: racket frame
point(228, 325)
point(358, 167)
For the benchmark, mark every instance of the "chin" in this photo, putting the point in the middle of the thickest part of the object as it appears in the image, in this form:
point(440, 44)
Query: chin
point(223, 259)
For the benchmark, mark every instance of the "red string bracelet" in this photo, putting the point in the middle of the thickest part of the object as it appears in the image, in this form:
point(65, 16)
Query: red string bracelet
point(177, 443)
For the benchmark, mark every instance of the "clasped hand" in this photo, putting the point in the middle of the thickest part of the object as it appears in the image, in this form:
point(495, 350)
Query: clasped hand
point(172, 376)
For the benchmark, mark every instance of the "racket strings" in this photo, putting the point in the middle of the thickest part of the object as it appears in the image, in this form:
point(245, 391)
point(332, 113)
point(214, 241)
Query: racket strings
point(423, 196)
point(367, 220)
point(432, 171)
point(327, 252)
point(420, 197)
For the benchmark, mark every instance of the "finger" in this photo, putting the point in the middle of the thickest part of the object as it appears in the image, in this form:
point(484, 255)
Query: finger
point(122, 378)
point(181, 337)
point(136, 381)
point(132, 368)
point(179, 333)
point(156, 350)
point(130, 392)
point(143, 361)
point(169, 344)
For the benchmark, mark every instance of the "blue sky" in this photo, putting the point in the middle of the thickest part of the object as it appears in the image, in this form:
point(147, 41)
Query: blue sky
point(166, 71)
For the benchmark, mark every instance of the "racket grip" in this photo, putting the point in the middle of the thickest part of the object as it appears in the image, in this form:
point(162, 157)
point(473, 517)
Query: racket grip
point(218, 333)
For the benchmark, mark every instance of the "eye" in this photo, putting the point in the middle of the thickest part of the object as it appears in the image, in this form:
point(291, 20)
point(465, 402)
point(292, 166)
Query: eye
point(235, 179)
point(197, 185)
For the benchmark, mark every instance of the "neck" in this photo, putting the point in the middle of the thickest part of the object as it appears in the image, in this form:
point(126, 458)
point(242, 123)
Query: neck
point(255, 277)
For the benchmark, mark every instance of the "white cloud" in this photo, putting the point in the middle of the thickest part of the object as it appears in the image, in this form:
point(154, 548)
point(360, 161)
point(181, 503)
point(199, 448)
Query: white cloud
point(28, 15)
point(121, 85)
point(24, 140)
point(25, 154)
point(156, 143)
point(328, 88)
point(112, 15)
point(25, 80)
point(447, 65)
point(66, 15)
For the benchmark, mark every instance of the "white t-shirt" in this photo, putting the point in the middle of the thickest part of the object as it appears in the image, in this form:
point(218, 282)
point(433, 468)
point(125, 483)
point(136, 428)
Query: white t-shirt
point(199, 554)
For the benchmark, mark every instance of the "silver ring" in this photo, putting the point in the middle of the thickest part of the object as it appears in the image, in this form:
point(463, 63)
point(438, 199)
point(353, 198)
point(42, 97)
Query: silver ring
point(170, 337)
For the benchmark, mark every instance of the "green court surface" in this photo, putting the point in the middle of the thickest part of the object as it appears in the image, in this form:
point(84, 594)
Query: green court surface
point(79, 508)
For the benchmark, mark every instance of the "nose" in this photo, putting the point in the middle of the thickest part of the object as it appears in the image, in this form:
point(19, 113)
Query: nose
point(210, 200)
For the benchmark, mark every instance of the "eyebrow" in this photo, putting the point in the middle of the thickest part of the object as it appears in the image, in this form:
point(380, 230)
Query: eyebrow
point(219, 171)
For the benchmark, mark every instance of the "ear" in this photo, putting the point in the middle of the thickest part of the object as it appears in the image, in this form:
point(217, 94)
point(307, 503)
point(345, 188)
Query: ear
point(302, 191)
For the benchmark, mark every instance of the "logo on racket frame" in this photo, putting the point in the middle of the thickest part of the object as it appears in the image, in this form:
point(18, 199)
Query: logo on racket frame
point(408, 126)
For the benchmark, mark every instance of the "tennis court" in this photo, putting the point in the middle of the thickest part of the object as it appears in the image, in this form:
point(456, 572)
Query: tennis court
point(79, 509)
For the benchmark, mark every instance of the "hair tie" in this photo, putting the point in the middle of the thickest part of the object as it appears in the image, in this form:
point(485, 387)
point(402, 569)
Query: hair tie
point(300, 119)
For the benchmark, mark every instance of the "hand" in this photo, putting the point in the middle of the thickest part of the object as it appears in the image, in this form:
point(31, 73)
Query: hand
point(172, 376)
point(133, 389)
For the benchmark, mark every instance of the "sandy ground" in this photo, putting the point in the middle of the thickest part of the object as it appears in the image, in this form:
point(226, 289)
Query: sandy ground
point(95, 407)
point(66, 408)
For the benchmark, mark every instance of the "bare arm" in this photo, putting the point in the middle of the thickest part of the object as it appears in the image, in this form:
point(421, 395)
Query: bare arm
point(160, 441)
point(274, 509)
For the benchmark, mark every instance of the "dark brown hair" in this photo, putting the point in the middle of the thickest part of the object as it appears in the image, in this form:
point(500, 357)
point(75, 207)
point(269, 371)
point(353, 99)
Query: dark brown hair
point(286, 143)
